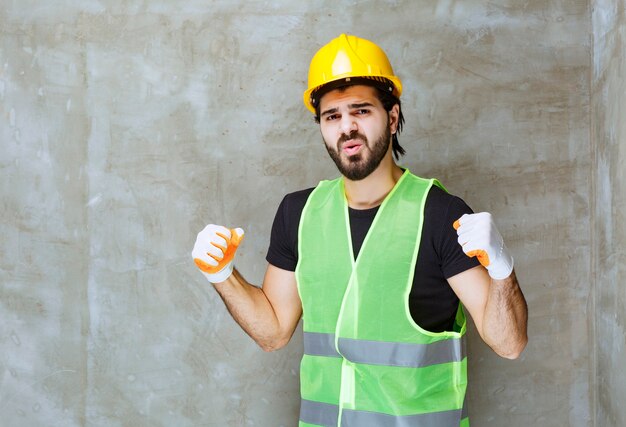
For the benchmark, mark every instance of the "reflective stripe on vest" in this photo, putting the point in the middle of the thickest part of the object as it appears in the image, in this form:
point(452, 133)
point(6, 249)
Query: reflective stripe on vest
point(385, 353)
point(366, 362)
point(326, 415)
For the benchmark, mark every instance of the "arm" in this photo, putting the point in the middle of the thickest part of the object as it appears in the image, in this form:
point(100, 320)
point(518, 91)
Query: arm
point(492, 295)
point(497, 307)
point(269, 314)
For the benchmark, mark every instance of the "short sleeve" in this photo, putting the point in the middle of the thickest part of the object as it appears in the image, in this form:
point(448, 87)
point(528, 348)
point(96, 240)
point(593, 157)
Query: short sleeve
point(283, 248)
point(452, 258)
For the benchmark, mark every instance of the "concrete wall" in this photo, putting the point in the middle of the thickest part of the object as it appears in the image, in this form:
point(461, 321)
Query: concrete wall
point(125, 128)
point(609, 138)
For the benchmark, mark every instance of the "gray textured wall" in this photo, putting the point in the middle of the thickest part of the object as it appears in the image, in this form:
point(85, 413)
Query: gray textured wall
point(126, 127)
point(609, 137)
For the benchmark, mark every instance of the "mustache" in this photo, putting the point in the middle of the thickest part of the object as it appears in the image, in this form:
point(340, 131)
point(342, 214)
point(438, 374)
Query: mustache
point(352, 135)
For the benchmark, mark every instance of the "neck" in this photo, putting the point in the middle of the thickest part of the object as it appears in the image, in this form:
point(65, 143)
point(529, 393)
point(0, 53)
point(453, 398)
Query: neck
point(372, 190)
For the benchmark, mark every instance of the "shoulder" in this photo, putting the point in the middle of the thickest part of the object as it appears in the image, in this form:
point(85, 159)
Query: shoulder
point(283, 248)
point(294, 202)
point(290, 209)
point(440, 204)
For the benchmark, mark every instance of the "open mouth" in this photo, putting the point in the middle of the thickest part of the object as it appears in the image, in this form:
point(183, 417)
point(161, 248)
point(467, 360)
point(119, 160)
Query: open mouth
point(352, 147)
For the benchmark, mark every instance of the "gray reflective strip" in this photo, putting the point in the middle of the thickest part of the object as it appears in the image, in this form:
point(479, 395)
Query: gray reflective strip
point(322, 414)
point(317, 344)
point(386, 353)
point(351, 418)
point(325, 414)
point(402, 354)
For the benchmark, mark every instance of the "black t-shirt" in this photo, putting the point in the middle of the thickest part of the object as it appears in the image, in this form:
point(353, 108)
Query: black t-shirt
point(432, 302)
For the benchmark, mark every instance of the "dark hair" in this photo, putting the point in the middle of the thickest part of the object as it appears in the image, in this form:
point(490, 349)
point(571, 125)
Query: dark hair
point(387, 99)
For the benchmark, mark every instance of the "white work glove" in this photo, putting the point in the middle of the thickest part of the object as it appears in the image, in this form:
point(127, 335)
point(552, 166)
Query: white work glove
point(479, 237)
point(214, 251)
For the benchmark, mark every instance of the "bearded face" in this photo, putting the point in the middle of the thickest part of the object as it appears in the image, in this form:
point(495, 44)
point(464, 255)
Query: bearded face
point(356, 130)
point(356, 157)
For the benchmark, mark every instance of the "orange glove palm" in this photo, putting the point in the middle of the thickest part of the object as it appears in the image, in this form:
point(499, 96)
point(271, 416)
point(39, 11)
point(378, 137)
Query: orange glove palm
point(215, 250)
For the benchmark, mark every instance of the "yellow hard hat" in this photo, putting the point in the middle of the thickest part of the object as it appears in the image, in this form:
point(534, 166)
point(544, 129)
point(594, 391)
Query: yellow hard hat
point(348, 57)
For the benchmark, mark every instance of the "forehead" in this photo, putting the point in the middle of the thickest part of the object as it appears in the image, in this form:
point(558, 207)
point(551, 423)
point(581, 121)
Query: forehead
point(351, 94)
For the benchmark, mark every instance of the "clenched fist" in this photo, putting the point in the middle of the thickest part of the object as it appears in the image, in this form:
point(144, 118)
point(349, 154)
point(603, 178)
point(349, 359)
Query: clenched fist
point(479, 237)
point(214, 251)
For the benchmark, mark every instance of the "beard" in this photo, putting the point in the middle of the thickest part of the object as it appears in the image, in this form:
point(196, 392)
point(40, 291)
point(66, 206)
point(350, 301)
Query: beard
point(362, 164)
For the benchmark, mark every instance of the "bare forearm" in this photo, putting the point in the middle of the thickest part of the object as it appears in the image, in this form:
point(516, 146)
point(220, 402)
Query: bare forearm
point(251, 309)
point(506, 318)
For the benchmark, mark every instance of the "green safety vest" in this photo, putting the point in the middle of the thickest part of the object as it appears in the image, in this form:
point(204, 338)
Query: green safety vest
point(366, 362)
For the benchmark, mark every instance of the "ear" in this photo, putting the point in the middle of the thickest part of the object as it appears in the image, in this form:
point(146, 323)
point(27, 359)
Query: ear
point(394, 115)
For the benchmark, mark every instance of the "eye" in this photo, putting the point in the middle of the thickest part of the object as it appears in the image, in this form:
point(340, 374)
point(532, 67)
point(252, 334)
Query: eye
point(332, 117)
point(361, 111)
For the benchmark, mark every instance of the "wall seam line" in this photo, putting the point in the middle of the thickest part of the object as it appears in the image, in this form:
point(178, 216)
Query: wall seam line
point(593, 202)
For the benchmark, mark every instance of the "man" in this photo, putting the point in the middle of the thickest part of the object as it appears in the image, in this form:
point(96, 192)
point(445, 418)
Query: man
point(372, 263)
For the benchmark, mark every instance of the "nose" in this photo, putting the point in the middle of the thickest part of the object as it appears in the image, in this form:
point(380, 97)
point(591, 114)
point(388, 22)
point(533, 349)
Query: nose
point(348, 124)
